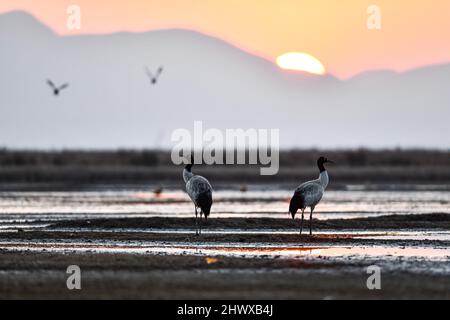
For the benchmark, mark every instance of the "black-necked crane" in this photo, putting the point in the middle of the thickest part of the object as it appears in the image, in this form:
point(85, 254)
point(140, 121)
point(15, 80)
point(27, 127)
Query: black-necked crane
point(200, 191)
point(153, 77)
point(310, 193)
point(57, 89)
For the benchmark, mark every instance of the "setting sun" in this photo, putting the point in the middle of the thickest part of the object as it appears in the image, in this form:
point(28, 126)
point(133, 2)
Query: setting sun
point(300, 62)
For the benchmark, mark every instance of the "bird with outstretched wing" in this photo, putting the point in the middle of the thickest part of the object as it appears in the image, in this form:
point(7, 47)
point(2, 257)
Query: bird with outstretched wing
point(57, 89)
point(153, 77)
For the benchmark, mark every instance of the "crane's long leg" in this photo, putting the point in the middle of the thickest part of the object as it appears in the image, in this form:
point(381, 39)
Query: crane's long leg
point(196, 222)
point(201, 214)
point(301, 223)
point(310, 221)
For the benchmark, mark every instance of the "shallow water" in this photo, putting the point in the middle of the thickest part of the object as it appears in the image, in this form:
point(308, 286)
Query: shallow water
point(429, 235)
point(37, 210)
point(412, 259)
point(227, 249)
point(25, 207)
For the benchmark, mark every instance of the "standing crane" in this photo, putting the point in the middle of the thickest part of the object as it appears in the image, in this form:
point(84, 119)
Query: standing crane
point(200, 191)
point(310, 193)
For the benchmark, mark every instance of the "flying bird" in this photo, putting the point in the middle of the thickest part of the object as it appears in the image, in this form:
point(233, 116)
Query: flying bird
point(200, 191)
point(56, 89)
point(153, 77)
point(310, 193)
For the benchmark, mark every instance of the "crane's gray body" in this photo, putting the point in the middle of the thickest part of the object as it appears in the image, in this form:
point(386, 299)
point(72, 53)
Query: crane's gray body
point(309, 194)
point(200, 191)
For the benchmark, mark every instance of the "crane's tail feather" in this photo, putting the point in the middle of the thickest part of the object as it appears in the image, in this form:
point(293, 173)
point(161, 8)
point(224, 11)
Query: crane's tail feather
point(297, 202)
point(204, 201)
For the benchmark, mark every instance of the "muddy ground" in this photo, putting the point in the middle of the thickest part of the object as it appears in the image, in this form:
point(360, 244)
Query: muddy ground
point(126, 276)
point(41, 274)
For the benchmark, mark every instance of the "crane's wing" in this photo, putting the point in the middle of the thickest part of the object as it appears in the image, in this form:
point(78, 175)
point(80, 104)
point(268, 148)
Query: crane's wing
point(51, 84)
point(307, 194)
point(160, 70)
point(196, 186)
point(64, 86)
point(148, 72)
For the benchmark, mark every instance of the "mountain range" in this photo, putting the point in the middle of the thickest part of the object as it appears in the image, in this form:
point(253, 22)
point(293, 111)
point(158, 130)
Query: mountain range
point(111, 103)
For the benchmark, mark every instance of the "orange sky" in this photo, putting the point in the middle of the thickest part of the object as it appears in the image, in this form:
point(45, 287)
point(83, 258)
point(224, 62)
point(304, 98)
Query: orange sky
point(414, 33)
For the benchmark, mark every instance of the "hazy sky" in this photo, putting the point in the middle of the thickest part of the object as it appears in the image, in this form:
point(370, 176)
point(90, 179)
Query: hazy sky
point(413, 33)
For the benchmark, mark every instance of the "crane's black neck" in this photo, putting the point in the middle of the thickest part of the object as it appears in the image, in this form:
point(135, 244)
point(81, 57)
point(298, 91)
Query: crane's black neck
point(189, 166)
point(321, 168)
point(320, 164)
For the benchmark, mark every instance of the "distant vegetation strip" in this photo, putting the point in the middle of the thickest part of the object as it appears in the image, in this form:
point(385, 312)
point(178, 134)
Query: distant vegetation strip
point(152, 166)
point(292, 158)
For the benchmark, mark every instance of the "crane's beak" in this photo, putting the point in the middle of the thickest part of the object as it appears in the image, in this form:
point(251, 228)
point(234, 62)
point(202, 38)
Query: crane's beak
point(330, 161)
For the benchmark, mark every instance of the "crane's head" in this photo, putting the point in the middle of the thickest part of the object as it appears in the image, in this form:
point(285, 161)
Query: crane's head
point(321, 161)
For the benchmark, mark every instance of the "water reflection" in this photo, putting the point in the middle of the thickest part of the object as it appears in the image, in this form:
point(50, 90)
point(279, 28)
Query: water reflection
point(233, 249)
point(31, 206)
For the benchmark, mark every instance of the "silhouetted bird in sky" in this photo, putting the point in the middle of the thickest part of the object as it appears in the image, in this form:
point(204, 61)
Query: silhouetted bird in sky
point(56, 90)
point(153, 77)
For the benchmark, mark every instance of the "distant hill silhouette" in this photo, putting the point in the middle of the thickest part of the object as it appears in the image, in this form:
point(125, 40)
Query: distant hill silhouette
point(110, 103)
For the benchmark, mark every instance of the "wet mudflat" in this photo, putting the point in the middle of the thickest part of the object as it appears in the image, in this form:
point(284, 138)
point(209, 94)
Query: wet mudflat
point(132, 244)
